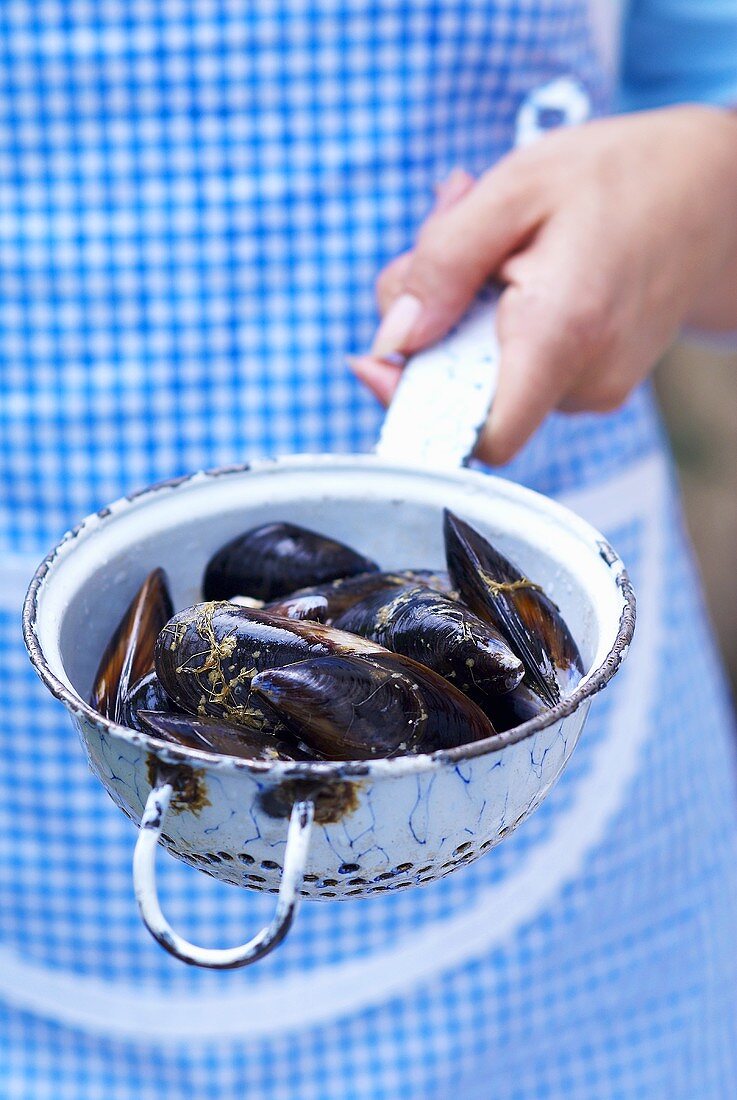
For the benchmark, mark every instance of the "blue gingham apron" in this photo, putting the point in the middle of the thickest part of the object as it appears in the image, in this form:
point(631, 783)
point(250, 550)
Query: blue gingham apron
point(195, 200)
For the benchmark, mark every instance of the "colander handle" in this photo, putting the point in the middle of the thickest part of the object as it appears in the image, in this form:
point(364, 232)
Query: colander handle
point(445, 393)
point(144, 882)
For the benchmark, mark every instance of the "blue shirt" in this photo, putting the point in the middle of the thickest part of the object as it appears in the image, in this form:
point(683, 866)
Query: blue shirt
point(677, 51)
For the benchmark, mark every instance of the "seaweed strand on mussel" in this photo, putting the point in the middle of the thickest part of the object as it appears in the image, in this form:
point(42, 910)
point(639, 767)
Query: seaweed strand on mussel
point(498, 592)
point(275, 559)
point(207, 655)
point(148, 709)
point(129, 653)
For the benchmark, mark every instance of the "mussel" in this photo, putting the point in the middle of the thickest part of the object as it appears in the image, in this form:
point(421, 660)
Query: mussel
point(343, 593)
point(343, 661)
point(277, 558)
point(515, 706)
point(146, 694)
point(207, 655)
point(212, 735)
point(354, 708)
point(148, 709)
point(440, 633)
point(129, 653)
point(532, 624)
point(302, 605)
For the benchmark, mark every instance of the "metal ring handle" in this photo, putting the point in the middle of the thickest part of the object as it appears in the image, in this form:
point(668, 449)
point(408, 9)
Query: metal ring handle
point(144, 883)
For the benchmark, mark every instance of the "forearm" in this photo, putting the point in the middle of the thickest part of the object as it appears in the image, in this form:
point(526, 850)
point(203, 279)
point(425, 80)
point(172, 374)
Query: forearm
point(685, 51)
point(715, 308)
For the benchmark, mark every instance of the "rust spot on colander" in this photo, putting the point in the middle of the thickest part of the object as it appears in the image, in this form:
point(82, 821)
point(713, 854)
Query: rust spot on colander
point(190, 791)
point(333, 801)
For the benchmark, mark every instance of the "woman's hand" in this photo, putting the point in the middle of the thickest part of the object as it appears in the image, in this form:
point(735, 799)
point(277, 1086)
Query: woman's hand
point(609, 236)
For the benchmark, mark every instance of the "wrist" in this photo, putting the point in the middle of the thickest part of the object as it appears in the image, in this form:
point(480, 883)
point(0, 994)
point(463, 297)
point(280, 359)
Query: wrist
point(714, 149)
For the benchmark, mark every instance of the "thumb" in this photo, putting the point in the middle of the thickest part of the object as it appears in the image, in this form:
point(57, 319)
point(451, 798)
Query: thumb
point(457, 250)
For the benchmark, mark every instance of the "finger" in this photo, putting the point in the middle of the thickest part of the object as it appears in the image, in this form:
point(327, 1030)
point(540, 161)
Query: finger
point(529, 387)
point(380, 377)
point(607, 384)
point(537, 361)
point(537, 336)
point(559, 328)
point(456, 252)
point(392, 279)
point(534, 374)
point(625, 354)
point(450, 190)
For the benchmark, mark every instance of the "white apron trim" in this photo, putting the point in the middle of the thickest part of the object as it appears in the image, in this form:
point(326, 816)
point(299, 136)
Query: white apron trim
point(146, 1014)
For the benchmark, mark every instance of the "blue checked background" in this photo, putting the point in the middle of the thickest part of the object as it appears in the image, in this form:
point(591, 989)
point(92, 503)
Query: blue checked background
point(195, 199)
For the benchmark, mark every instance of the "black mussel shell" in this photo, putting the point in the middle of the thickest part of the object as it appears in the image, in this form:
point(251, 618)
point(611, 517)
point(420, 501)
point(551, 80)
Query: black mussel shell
point(207, 655)
point(437, 579)
point(146, 694)
point(532, 624)
point(357, 708)
point(129, 653)
point(306, 606)
point(438, 632)
point(514, 707)
point(277, 558)
point(212, 735)
point(344, 592)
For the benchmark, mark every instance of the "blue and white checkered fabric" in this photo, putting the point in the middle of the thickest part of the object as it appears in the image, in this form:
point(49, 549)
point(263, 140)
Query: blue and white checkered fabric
point(195, 201)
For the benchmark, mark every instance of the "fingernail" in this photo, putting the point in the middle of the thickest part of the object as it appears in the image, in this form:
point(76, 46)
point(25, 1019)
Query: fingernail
point(393, 331)
point(451, 189)
point(356, 362)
